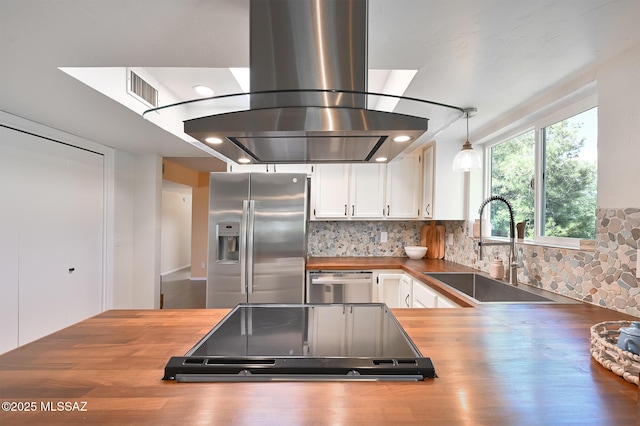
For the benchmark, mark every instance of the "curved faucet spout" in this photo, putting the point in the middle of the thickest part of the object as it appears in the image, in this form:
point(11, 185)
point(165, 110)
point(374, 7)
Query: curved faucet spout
point(513, 264)
point(512, 225)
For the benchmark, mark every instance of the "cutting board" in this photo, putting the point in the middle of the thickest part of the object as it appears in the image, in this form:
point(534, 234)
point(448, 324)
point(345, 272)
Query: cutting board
point(432, 236)
point(440, 241)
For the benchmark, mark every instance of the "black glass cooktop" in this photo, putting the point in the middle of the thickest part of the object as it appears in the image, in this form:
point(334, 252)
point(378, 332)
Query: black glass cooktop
point(267, 342)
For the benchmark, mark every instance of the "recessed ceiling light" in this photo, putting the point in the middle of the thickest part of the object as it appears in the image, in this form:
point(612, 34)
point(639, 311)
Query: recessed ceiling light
point(381, 159)
point(402, 138)
point(244, 160)
point(214, 141)
point(203, 90)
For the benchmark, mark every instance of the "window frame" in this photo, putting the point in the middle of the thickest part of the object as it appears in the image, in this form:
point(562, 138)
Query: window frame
point(544, 119)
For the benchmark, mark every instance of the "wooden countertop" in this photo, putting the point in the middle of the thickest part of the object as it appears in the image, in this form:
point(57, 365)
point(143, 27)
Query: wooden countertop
point(404, 263)
point(496, 365)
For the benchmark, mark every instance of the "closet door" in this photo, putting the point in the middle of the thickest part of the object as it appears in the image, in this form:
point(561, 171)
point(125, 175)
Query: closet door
point(9, 239)
point(43, 227)
point(55, 195)
point(84, 236)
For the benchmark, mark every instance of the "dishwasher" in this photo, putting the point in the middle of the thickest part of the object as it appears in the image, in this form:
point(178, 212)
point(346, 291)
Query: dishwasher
point(340, 287)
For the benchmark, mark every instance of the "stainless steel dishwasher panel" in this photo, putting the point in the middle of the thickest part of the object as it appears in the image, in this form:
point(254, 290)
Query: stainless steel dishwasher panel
point(340, 287)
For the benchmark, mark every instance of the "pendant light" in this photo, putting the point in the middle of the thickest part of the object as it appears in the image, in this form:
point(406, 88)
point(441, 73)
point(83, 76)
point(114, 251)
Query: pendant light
point(467, 159)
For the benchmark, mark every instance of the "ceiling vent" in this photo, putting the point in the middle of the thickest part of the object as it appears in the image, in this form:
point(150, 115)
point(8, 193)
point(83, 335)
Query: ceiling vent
point(141, 90)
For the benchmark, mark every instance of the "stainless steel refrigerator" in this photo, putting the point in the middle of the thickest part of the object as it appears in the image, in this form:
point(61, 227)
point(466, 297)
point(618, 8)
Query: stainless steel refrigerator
point(257, 238)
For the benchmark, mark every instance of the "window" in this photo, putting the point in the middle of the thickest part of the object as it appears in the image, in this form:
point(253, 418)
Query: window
point(570, 175)
point(561, 154)
point(512, 176)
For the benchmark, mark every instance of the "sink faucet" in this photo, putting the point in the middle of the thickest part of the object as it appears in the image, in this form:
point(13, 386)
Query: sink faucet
point(515, 261)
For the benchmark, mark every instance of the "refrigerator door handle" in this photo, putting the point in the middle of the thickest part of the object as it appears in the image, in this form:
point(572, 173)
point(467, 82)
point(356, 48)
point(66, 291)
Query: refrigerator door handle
point(249, 253)
point(243, 247)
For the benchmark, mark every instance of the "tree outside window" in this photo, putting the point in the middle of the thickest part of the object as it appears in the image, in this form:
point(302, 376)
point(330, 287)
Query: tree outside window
point(568, 193)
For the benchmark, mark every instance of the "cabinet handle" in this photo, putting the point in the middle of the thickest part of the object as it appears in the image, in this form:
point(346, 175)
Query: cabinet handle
point(71, 270)
point(387, 209)
point(406, 301)
point(345, 209)
point(426, 209)
point(353, 209)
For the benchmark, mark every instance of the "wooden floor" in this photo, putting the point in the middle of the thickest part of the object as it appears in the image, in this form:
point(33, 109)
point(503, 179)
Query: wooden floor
point(181, 292)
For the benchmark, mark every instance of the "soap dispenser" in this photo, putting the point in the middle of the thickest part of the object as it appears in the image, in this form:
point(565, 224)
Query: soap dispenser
point(496, 267)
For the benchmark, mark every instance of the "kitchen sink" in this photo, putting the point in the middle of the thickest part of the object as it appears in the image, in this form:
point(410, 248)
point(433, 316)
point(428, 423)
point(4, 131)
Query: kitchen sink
point(487, 290)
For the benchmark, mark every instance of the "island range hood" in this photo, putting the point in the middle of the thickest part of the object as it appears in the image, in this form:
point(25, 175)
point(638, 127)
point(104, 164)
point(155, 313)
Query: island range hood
point(309, 101)
point(308, 62)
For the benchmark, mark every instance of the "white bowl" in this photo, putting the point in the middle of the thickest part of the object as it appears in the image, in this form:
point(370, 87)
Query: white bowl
point(415, 252)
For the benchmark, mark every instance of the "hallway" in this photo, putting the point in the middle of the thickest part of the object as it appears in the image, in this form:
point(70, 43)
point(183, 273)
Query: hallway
point(181, 292)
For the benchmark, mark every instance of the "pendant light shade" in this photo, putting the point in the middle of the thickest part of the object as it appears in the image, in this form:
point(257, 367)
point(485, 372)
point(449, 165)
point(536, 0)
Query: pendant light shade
point(467, 159)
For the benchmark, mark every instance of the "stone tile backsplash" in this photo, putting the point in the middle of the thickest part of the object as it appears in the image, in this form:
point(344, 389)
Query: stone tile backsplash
point(604, 276)
point(359, 238)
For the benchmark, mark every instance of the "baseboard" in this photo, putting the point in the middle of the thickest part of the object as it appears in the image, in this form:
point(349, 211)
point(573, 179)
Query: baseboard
point(162, 274)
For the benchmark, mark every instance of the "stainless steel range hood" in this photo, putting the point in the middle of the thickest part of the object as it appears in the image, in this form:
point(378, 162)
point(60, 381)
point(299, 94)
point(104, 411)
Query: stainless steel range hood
point(297, 47)
point(309, 101)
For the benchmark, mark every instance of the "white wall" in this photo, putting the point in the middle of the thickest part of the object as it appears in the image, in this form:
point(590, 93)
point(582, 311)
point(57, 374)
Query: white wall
point(146, 231)
point(619, 131)
point(176, 229)
point(617, 84)
point(124, 196)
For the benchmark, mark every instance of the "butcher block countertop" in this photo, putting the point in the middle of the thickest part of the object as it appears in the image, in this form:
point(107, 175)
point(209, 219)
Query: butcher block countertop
point(512, 364)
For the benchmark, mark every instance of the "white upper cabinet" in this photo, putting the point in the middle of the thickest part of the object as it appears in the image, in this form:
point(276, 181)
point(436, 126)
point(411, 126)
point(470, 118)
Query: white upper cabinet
point(330, 191)
point(269, 168)
point(444, 186)
point(427, 183)
point(403, 188)
point(366, 190)
point(343, 191)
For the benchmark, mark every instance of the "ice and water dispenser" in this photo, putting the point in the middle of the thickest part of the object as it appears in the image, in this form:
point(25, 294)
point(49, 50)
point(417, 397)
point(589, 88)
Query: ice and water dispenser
point(228, 242)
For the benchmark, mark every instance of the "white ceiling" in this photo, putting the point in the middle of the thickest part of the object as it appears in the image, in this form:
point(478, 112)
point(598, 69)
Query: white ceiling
point(494, 55)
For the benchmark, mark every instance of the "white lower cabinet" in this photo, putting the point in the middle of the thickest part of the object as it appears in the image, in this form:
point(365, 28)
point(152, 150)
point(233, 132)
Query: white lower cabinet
point(400, 290)
point(388, 287)
point(425, 297)
point(405, 292)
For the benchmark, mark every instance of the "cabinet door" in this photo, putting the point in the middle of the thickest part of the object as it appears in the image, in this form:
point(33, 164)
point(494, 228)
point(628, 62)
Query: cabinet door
point(330, 187)
point(443, 302)
point(405, 292)
point(426, 297)
point(366, 191)
point(423, 296)
point(389, 289)
point(403, 188)
point(269, 168)
point(427, 183)
point(289, 168)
